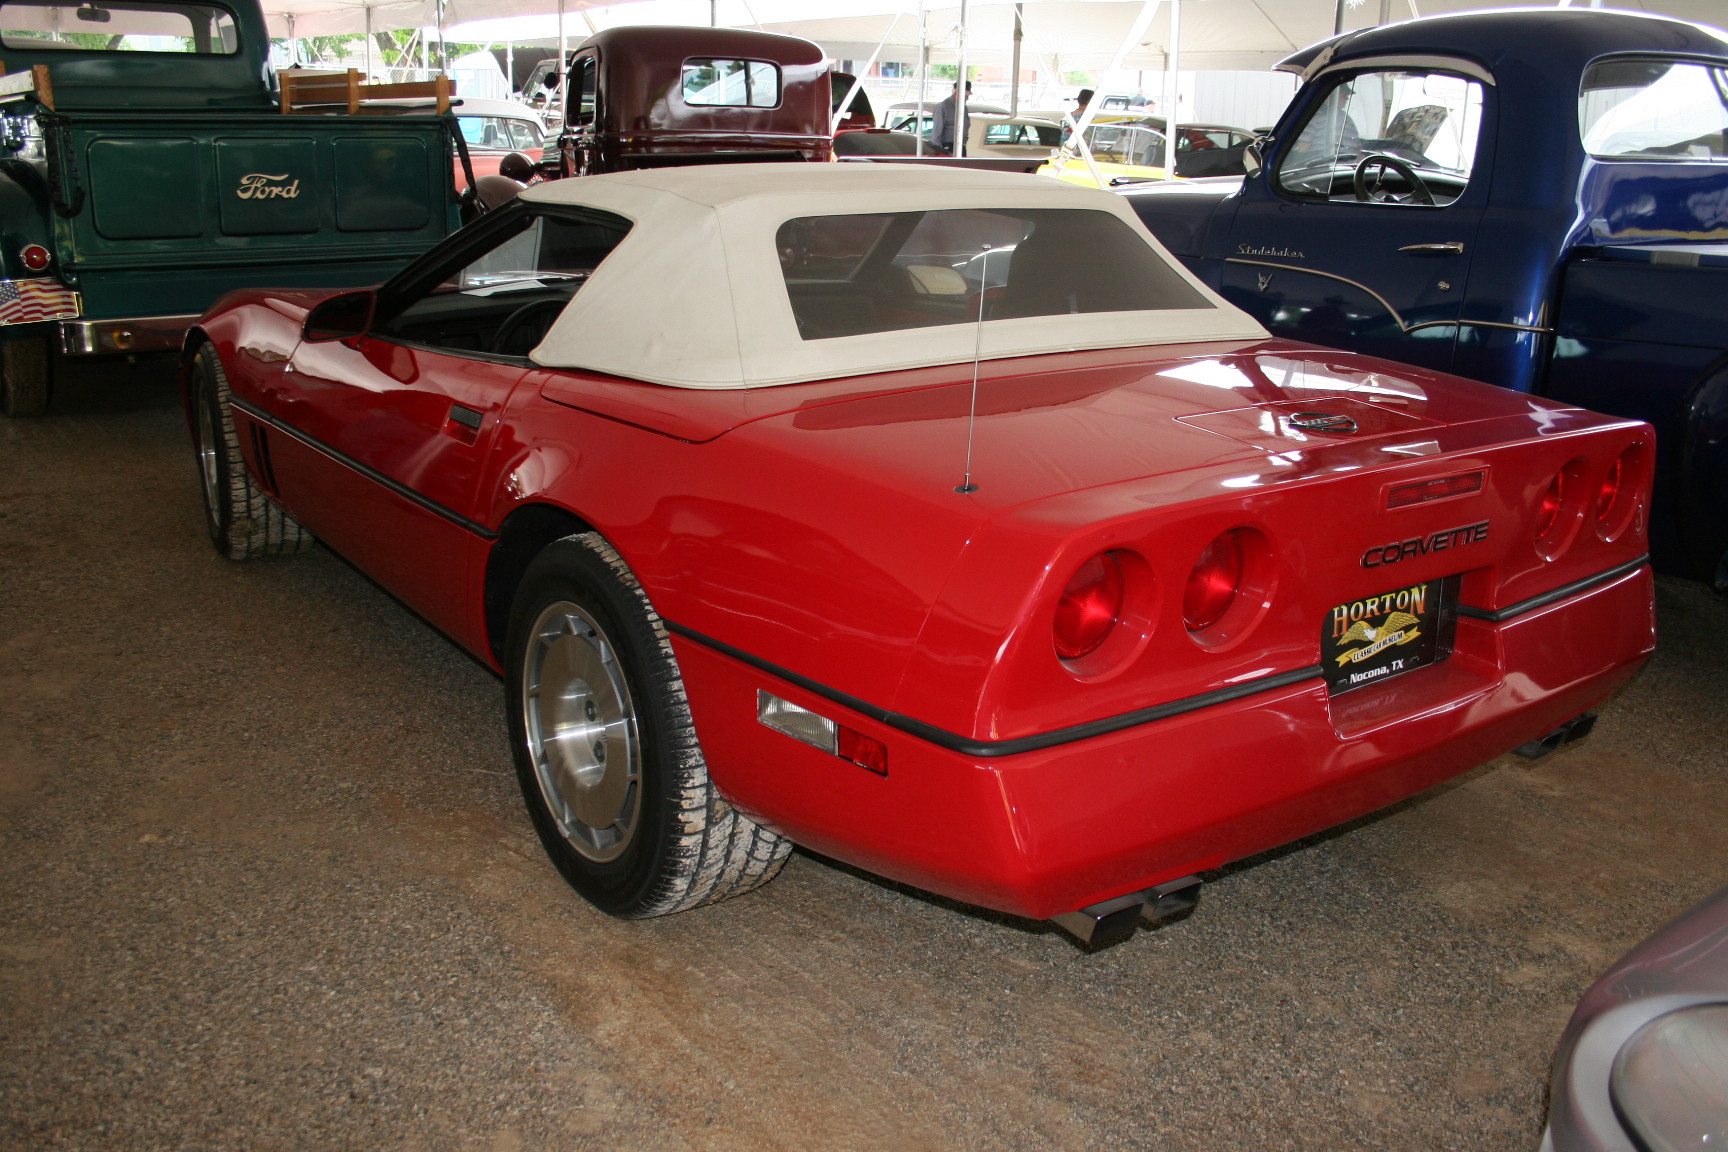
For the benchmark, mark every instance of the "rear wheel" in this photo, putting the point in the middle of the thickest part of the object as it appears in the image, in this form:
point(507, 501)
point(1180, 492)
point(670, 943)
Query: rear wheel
point(24, 376)
point(243, 522)
point(605, 749)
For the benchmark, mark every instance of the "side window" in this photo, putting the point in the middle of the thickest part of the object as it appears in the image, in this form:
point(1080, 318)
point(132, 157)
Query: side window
point(522, 134)
point(581, 90)
point(731, 83)
point(1654, 110)
point(1393, 137)
point(502, 299)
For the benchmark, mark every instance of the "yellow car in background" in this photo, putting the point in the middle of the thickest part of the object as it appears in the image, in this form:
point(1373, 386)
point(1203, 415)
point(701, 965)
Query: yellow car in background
point(1127, 151)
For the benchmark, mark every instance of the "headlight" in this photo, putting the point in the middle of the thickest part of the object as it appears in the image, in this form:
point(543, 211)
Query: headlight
point(1670, 1081)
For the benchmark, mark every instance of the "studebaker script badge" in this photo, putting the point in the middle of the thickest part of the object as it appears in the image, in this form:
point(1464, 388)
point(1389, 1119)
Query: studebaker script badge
point(1263, 250)
point(262, 186)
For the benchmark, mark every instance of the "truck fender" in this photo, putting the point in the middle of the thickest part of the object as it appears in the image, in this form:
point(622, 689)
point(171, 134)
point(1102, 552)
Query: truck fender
point(24, 199)
point(1703, 476)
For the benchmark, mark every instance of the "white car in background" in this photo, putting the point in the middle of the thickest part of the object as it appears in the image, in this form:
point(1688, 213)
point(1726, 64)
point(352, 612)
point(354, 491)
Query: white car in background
point(493, 129)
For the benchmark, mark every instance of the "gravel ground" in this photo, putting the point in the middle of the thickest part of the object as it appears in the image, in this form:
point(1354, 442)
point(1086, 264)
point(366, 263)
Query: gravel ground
point(265, 883)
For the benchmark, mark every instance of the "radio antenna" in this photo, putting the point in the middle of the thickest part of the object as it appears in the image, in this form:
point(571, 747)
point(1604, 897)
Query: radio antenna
point(966, 487)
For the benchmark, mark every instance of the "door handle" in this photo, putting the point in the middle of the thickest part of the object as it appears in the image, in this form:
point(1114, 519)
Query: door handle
point(465, 416)
point(1448, 248)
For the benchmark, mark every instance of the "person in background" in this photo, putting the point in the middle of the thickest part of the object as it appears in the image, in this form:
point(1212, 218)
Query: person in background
point(1080, 103)
point(942, 120)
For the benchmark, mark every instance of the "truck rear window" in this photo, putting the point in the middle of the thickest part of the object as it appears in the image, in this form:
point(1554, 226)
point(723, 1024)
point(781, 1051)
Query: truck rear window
point(1654, 110)
point(118, 26)
point(714, 82)
point(887, 271)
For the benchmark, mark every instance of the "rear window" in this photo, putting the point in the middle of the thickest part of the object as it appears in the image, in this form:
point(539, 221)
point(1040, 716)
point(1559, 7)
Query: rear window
point(119, 26)
point(883, 272)
point(1654, 110)
point(721, 83)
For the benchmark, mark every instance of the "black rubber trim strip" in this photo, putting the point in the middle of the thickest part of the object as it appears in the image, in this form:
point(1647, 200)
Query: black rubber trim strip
point(954, 742)
point(1501, 615)
point(395, 486)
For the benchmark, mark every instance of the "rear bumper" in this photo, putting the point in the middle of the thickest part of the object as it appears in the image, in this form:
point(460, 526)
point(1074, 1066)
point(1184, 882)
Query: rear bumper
point(137, 334)
point(1059, 828)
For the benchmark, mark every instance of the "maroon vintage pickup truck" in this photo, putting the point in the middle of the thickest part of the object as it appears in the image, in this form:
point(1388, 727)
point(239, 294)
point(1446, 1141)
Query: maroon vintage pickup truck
point(657, 97)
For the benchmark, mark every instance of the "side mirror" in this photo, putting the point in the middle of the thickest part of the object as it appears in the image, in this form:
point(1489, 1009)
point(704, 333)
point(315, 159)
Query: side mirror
point(550, 80)
point(342, 317)
point(1252, 161)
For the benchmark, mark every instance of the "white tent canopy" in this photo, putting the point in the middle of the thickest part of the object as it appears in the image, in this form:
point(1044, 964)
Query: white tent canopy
point(1067, 34)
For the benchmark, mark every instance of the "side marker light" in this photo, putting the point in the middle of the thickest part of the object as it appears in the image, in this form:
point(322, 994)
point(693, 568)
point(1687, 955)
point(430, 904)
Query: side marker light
point(821, 733)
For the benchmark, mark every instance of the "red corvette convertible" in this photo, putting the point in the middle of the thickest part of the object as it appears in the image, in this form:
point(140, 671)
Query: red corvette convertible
point(936, 520)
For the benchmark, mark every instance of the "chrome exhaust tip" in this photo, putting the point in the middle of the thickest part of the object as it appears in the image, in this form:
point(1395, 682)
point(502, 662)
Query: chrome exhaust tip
point(1112, 919)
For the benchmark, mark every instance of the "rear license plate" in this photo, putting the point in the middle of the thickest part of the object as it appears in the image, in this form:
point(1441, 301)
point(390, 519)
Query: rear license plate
point(1375, 638)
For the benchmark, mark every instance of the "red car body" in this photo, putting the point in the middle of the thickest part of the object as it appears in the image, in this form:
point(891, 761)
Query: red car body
point(808, 540)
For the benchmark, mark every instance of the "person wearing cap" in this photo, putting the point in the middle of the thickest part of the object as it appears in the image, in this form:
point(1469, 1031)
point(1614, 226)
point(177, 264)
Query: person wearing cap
point(942, 120)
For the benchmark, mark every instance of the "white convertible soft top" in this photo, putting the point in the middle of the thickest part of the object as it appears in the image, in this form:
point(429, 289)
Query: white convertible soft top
point(694, 296)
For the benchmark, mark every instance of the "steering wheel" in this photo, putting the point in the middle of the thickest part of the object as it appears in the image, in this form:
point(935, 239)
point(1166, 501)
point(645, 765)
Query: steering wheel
point(541, 312)
point(1377, 192)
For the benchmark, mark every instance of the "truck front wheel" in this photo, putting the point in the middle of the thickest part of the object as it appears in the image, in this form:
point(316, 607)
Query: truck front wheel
point(24, 376)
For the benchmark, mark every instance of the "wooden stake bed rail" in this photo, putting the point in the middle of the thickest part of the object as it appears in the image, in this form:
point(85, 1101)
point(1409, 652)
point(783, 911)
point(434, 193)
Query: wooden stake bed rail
point(301, 89)
point(32, 83)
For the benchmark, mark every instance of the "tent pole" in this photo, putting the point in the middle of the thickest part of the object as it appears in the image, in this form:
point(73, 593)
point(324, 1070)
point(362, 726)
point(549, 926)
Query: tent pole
point(960, 91)
point(845, 107)
point(1338, 17)
point(564, 52)
point(1014, 66)
point(923, 79)
point(368, 43)
point(1171, 88)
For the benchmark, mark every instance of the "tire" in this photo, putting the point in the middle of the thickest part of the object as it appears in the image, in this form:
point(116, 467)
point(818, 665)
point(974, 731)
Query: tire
point(605, 749)
point(243, 522)
point(24, 383)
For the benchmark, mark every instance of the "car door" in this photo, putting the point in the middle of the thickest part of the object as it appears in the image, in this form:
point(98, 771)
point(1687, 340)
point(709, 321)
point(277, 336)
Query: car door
point(403, 418)
point(1361, 234)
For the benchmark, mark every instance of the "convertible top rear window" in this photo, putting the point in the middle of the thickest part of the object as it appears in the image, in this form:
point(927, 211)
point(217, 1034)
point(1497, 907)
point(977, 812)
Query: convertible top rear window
point(888, 271)
point(119, 26)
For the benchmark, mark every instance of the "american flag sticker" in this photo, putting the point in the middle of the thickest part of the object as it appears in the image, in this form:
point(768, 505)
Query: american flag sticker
point(29, 301)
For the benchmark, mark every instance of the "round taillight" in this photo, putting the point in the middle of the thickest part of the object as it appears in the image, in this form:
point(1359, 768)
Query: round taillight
point(1608, 496)
point(1549, 510)
point(1090, 607)
point(35, 257)
point(1213, 584)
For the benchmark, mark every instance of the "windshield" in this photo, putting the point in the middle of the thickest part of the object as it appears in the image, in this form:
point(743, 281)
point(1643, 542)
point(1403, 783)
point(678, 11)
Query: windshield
point(1652, 109)
point(119, 26)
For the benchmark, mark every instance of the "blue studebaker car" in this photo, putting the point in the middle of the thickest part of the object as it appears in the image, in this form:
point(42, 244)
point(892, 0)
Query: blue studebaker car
point(1534, 198)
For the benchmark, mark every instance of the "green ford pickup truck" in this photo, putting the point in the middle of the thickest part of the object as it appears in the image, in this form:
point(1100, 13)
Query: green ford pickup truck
point(149, 163)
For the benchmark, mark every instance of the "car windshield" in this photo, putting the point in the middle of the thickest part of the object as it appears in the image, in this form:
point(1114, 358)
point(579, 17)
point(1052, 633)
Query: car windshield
point(882, 272)
point(119, 26)
point(1654, 109)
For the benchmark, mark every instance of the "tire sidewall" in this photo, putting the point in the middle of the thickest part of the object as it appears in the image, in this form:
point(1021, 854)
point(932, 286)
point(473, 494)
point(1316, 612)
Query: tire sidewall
point(207, 421)
point(572, 570)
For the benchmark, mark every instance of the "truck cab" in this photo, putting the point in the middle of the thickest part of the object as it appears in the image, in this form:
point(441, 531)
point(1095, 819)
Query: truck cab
point(647, 97)
point(1533, 198)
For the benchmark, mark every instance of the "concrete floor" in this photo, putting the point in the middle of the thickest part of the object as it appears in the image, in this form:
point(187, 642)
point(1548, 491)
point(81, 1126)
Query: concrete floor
point(266, 883)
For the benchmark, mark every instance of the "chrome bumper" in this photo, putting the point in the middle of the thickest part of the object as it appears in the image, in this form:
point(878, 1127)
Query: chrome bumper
point(139, 334)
